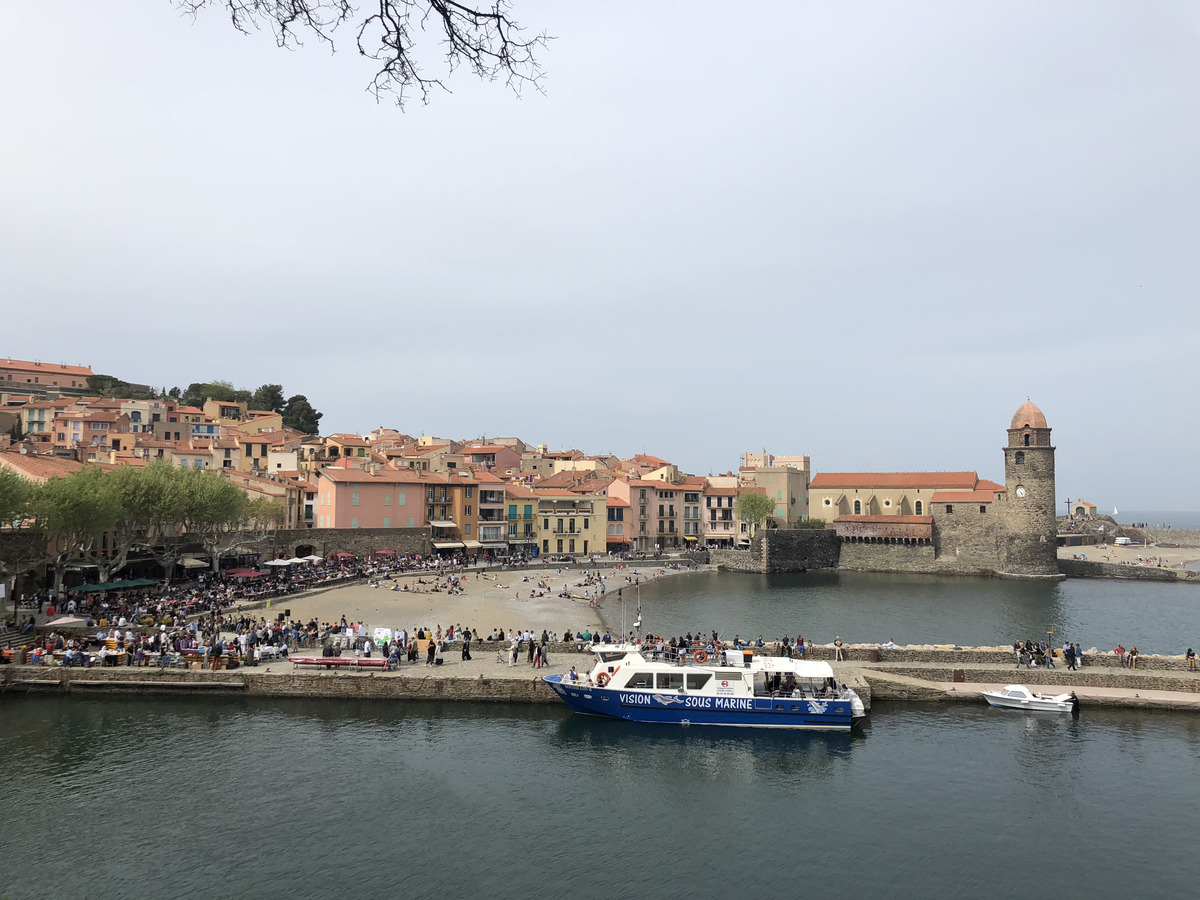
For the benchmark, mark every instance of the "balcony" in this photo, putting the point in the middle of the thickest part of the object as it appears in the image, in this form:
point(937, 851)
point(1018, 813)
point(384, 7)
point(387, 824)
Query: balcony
point(492, 515)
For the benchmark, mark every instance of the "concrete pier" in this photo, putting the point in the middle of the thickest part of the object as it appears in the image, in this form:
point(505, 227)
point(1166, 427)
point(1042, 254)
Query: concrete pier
point(948, 674)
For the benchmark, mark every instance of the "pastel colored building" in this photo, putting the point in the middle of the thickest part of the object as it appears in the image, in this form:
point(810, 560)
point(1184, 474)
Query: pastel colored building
point(362, 498)
point(571, 523)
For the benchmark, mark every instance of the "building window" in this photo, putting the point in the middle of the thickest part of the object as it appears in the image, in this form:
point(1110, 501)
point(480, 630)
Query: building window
point(354, 498)
point(918, 507)
point(410, 521)
point(885, 502)
point(858, 507)
point(467, 512)
point(949, 508)
point(354, 523)
point(829, 502)
point(387, 522)
point(1019, 458)
point(560, 545)
point(468, 493)
point(1026, 440)
point(982, 508)
point(528, 511)
point(512, 510)
point(467, 528)
point(387, 499)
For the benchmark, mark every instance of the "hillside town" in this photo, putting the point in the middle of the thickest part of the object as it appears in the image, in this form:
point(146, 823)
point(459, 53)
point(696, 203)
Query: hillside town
point(493, 496)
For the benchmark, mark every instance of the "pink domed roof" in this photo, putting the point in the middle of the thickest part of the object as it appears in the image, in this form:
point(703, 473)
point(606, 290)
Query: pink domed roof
point(1029, 416)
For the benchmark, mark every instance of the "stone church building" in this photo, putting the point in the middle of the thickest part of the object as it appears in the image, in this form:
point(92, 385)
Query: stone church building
point(953, 522)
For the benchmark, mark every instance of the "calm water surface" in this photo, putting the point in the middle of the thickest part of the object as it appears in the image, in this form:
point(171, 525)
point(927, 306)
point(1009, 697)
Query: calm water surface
point(104, 797)
point(919, 609)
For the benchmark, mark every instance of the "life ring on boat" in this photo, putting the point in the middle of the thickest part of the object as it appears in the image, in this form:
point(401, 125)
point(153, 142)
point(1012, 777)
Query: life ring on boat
point(602, 679)
point(700, 657)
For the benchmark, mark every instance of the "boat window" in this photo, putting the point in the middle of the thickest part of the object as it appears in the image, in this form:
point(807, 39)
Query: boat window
point(612, 657)
point(730, 676)
point(697, 680)
point(670, 681)
point(640, 680)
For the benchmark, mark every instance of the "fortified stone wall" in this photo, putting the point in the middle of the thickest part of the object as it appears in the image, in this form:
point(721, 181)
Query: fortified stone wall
point(966, 539)
point(800, 550)
point(736, 560)
point(858, 557)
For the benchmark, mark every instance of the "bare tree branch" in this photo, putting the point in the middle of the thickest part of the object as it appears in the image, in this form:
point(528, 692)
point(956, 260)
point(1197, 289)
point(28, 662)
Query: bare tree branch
point(484, 39)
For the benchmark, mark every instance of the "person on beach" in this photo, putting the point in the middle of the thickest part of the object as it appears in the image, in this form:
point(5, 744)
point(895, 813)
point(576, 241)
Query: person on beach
point(1190, 656)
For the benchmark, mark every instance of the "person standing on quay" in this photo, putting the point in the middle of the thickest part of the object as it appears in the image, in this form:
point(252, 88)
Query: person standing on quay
point(1190, 656)
point(837, 649)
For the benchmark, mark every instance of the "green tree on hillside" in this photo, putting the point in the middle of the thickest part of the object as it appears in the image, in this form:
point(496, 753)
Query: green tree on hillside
point(300, 415)
point(268, 396)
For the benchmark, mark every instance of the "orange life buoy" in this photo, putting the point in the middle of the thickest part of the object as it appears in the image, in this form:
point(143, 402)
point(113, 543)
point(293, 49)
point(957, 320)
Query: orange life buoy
point(602, 679)
point(700, 657)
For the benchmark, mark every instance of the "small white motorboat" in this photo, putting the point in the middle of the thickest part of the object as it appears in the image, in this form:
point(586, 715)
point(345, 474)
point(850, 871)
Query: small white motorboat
point(1017, 696)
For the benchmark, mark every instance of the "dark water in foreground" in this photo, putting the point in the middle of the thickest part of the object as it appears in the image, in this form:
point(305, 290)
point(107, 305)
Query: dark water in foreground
point(129, 798)
point(919, 609)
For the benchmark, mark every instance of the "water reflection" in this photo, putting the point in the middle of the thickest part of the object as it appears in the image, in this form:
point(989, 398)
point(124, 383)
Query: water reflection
point(869, 607)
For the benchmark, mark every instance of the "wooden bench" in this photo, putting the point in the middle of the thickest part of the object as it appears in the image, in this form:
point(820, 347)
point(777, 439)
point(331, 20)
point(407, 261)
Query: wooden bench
point(330, 662)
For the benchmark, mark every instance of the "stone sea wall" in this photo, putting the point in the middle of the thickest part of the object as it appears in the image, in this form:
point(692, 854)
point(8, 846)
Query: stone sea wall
point(336, 685)
point(1086, 568)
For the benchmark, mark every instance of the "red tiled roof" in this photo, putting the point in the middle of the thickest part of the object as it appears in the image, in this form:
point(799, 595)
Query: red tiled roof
point(952, 480)
point(38, 468)
point(985, 485)
point(963, 497)
point(887, 520)
point(22, 365)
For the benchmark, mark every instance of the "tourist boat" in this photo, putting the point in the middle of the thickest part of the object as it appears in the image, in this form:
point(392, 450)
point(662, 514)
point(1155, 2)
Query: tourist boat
point(633, 682)
point(1017, 696)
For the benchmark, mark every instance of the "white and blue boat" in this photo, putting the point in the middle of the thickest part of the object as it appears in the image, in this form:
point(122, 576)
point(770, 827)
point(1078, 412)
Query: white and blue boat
point(635, 683)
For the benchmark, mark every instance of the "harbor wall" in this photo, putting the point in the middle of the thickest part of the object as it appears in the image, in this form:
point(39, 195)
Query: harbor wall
point(1086, 568)
point(334, 685)
point(883, 689)
point(782, 551)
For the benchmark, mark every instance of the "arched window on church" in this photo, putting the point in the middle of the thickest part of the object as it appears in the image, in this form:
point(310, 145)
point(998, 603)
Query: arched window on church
point(858, 507)
point(1026, 440)
point(918, 507)
point(1019, 458)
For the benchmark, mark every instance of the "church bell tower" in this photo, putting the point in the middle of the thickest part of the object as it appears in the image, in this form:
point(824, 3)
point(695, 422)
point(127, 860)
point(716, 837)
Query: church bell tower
point(1028, 545)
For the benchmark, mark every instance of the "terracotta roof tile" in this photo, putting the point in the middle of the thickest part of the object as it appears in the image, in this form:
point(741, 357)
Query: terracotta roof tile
point(963, 497)
point(951, 480)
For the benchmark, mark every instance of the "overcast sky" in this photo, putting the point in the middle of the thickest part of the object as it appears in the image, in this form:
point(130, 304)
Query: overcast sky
point(861, 231)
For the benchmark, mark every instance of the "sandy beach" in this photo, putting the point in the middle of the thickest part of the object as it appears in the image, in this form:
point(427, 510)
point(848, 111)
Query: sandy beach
point(1172, 558)
point(499, 600)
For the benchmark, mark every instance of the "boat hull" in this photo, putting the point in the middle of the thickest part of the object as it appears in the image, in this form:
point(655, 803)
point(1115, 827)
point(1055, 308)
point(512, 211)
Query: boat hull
point(668, 708)
point(1034, 705)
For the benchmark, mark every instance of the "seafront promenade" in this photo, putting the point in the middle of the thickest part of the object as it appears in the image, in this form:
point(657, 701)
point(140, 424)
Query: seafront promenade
point(920, 673)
